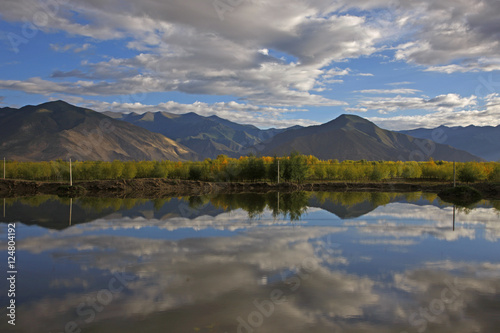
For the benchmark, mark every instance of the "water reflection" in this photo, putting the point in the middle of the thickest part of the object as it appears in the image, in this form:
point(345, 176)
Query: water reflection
point(308, 262)
point(51, 211)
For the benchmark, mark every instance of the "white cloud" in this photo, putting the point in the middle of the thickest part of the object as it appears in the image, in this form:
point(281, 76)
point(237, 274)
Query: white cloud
point(488, 117)
point(188, 49)
point(450, 31)
point(448, 102)
point(390, 91)
point(399, 83)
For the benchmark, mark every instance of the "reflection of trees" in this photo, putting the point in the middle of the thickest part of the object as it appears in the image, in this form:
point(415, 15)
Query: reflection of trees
point(496, 204)
point(253, 203)
point(196, 202)
point(291, 205)
point(350, 199)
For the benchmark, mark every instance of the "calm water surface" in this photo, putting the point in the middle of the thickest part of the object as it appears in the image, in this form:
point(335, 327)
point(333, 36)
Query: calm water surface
point(301, 262)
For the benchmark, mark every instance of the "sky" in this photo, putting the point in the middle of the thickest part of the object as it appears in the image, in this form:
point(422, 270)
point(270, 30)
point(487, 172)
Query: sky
point(402, 64)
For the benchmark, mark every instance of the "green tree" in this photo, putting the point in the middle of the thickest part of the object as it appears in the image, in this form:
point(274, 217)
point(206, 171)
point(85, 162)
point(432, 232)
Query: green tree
point(470, 172)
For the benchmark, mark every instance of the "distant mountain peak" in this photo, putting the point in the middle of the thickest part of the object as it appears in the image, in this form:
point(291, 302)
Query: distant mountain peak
point(348, 121)
point(350, 137)
point(59, 103)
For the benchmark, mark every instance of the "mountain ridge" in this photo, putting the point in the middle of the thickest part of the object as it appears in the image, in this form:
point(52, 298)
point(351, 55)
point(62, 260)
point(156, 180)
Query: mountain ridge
point(58, 129)
point(208, 136)
point(350, 137)
point(483, 141)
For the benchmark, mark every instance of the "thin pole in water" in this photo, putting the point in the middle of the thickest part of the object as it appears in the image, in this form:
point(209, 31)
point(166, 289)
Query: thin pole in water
point(70, 209)
point(454, 207)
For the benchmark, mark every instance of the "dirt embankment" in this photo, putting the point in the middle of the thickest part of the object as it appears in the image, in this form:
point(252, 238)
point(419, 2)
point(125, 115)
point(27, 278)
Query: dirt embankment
point(155, 188)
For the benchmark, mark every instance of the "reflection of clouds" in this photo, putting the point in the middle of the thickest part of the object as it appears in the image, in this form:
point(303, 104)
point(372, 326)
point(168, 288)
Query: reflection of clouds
point(397, 242)
point(408, 211)
point(207, 281)
point(67, 283)
point(403, 230)
point(474, 289)
point(390, 220)
point(230, 221)
point(184, 273)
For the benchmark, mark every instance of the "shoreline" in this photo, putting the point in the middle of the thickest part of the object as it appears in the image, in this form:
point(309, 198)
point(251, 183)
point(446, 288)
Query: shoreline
point(157, 188)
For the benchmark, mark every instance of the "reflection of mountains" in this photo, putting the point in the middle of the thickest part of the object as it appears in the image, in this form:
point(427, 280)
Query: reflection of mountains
point(54, 213)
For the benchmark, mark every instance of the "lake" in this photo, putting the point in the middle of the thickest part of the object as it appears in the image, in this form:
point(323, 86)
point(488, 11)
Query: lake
point(293, 262)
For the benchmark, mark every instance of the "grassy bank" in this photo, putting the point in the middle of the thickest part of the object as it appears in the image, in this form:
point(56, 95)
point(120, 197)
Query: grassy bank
point(158, 188)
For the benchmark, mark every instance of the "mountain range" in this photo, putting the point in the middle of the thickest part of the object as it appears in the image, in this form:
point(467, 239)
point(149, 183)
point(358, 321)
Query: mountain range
point(481, 141)
point(57, 129)
point(208, 136)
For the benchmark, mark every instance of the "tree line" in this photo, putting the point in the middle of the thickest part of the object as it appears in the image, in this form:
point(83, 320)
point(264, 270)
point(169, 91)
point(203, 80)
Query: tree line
point(292, 168)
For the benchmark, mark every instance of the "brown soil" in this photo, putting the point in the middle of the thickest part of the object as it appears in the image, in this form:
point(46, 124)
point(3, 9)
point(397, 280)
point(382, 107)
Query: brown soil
point(155, 188)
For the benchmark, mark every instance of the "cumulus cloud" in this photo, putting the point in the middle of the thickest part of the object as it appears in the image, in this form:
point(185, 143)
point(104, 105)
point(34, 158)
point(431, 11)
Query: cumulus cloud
point(487, 115)
point(448, 102)
point(467, 35)
point(188, 49)
point(275, 53)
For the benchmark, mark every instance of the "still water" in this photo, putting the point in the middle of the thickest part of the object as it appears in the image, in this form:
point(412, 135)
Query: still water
point(301, 262)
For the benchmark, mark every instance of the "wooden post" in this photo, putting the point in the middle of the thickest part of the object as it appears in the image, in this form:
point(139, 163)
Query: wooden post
point(454, 175)
point(70, 174)
point(278, 171)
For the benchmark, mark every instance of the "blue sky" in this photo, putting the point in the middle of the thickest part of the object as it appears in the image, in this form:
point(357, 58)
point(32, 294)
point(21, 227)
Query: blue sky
point(402, 64)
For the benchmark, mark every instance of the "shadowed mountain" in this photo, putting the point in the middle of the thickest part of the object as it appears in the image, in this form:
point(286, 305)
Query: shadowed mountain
point(56, 130)
point(481, 141)
point(207, 136)
point(351, 137)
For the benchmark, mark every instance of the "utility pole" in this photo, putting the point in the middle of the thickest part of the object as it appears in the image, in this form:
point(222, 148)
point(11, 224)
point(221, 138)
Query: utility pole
point(70, 174)
point(278, 171)
point(454, 175)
